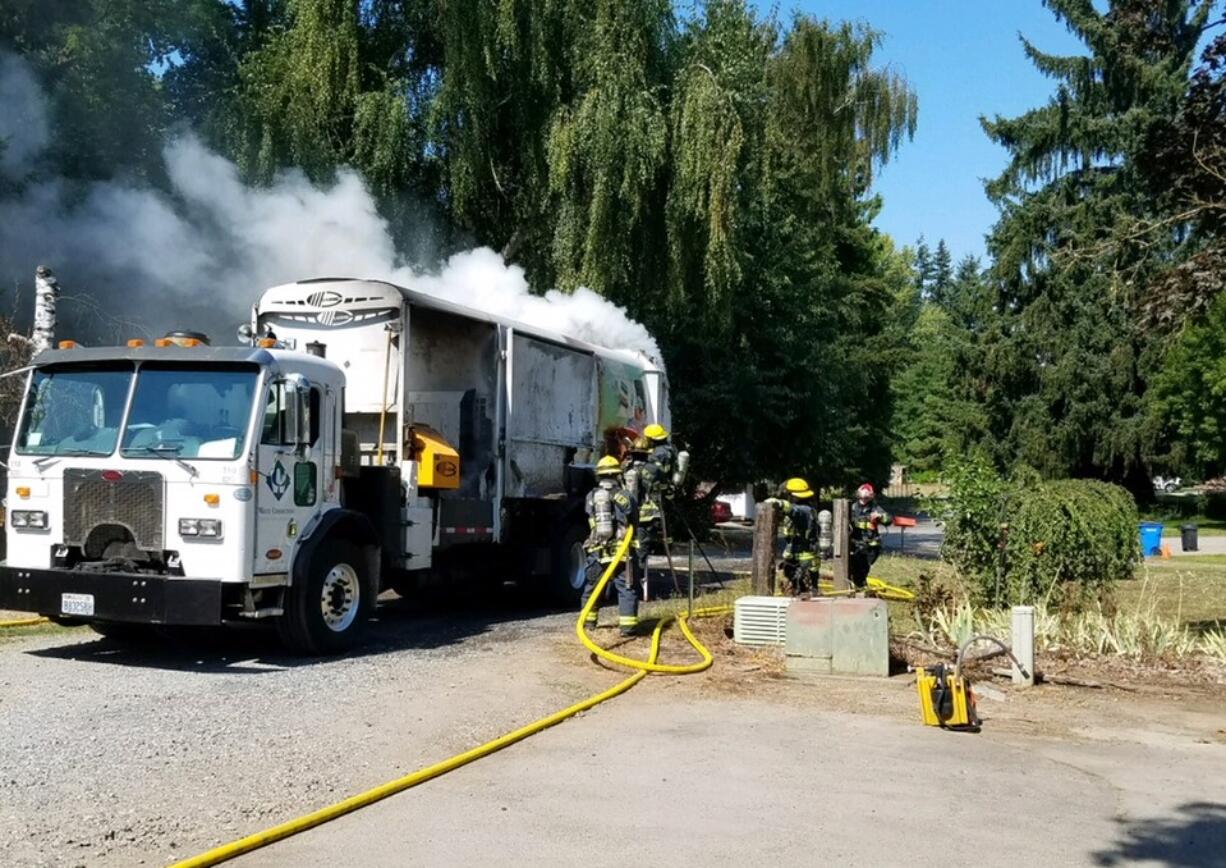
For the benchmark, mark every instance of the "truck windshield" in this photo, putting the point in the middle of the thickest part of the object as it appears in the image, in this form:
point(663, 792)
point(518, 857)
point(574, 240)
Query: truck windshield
point(190, 413)
point(74, 411)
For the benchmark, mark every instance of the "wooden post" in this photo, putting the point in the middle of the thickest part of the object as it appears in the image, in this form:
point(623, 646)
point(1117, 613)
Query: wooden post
point(842, 544)
point(765, 526)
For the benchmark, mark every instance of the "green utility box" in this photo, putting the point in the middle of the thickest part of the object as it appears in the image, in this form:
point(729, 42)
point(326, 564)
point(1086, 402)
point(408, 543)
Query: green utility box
point(838, 636)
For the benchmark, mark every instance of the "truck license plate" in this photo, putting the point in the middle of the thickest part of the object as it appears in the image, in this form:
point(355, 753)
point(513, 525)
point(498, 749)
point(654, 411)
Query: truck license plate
point(77, 604)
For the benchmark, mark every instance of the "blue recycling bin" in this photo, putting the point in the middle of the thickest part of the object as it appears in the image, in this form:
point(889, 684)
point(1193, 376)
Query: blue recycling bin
point(1151, 538)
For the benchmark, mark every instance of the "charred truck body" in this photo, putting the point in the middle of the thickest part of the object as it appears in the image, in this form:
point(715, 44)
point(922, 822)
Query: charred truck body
point(370, 437)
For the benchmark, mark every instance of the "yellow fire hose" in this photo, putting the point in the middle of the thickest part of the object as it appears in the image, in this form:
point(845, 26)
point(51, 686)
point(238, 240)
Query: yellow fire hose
point(22, 622)
point(369, 797)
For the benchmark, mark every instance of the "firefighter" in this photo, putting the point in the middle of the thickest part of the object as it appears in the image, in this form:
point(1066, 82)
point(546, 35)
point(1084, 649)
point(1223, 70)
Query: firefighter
point(799, 529)
point(610, 511)
point(671, 463)
point(866, 519)
point(642, 478)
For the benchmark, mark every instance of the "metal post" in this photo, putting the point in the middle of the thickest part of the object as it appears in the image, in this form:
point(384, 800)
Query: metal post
point(1023, 645)
point(691, 609)
point(46, 293)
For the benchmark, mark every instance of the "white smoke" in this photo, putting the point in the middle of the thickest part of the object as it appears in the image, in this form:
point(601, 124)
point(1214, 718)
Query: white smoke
point(199, 255)
point(23, 118)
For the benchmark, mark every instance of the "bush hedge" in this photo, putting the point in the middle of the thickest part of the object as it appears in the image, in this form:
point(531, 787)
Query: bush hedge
point(1024, 540)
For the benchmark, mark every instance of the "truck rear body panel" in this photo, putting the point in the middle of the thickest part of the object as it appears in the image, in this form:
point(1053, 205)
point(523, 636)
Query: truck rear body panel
point(529, 410)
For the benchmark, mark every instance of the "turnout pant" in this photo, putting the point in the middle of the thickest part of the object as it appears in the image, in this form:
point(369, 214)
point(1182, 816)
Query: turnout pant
point(645, 538)
point(861, 562)
point(627, 599)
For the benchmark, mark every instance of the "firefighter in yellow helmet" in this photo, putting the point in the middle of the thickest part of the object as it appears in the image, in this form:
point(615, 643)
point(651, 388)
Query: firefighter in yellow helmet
point(799, 530)
point(655, 470)
point(663, 453)
point(643, 479)
point(610, 511)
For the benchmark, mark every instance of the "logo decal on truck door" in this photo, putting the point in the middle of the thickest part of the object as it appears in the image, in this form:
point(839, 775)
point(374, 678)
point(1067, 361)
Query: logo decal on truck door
point(278, 480)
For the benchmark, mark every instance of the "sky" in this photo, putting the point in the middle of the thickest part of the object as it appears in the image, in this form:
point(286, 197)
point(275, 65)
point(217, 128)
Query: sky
point(964, 60)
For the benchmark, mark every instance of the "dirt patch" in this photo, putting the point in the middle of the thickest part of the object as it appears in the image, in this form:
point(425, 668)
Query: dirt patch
point(1136, 702)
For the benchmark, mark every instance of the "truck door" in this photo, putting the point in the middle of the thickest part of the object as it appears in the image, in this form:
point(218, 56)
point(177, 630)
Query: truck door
point(292, 484)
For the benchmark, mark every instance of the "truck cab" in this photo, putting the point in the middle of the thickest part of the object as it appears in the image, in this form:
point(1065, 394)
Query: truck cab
point(179, 483)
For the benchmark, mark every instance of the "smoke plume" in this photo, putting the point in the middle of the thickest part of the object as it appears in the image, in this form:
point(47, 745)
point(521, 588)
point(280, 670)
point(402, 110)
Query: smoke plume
point(198, 254)
point(23, 122)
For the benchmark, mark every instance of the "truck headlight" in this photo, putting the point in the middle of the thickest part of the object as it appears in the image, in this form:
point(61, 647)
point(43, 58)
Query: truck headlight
point(35, 519)
point(203, 527)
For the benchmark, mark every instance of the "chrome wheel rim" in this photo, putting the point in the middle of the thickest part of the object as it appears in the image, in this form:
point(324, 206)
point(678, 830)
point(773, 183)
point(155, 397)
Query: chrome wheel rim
point(578, 566)
point(340, 598)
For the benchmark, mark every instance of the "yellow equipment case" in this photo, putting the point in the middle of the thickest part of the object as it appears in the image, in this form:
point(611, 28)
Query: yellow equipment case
point(946, 699)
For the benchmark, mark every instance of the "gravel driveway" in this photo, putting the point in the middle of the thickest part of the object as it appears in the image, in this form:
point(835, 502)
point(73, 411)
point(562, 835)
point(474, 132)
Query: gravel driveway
point(113, 754)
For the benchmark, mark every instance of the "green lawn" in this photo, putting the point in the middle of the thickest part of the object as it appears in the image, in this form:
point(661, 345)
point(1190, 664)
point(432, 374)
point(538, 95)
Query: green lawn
point(1191, 589)
point(1204, 526)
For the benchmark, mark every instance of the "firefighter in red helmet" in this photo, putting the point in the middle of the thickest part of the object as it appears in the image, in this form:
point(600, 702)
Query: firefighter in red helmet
point(867, 518)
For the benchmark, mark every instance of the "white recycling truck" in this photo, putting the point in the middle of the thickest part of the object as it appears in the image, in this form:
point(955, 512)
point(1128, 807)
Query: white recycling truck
point(369, 436)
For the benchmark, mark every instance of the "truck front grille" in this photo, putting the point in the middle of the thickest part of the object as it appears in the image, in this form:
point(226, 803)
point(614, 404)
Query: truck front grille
point(132, 499)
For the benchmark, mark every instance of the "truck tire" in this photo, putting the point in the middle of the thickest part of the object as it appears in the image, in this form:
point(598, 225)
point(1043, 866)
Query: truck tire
point(327, 613)
point(569, 562)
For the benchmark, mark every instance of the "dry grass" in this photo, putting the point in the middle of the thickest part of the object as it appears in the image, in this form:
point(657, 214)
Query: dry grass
point(710, 598)
point(1142, 635)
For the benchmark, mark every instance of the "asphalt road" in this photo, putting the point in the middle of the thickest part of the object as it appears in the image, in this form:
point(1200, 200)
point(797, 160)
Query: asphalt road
point(663, 777)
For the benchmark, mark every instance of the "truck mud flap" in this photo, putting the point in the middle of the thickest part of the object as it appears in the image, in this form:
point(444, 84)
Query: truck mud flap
point(125, 597)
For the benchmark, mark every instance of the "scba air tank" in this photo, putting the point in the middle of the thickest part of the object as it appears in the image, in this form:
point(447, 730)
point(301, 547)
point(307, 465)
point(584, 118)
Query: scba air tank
point(602, 508)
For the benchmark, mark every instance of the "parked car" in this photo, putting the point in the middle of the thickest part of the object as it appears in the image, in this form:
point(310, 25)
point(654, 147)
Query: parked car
point(1167, 484)
point(720, 511)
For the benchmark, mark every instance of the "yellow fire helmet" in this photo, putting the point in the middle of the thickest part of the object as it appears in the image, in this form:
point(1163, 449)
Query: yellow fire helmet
point(798, 488)
point(608, 466)
point(655, 432)
point(640, 445)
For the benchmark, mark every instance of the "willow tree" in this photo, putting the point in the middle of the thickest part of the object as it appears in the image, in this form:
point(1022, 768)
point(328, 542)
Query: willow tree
point(779, 284)
point(1076, 358)
point(608, 149)
point(505, 77)
point(718, 102)
point(311, 98)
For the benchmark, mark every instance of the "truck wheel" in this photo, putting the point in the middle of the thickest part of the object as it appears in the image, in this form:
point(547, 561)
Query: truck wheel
point(327, 613)
point(567, 576)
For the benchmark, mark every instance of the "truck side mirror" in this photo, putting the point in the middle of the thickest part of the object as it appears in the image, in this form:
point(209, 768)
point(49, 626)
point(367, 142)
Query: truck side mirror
point(298, 411)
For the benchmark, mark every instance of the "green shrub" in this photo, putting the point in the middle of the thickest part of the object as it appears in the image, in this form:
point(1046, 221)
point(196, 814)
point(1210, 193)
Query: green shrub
point(972, 512)
point(1024, 540)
